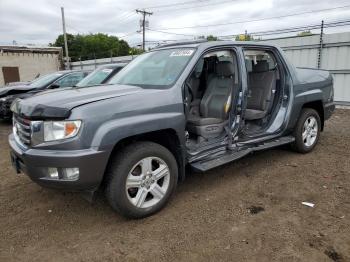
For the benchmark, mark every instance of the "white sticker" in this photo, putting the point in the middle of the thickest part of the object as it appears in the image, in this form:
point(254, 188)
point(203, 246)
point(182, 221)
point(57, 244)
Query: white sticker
point(107, 70)
point(185, 52)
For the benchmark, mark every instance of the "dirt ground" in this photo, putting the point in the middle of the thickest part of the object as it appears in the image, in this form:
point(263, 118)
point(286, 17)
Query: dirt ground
point(249, 210)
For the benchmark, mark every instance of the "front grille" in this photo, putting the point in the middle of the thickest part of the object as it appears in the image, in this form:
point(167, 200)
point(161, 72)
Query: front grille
point(5, 108)
point(7, 105)
point(2, 106)
point(22, 129)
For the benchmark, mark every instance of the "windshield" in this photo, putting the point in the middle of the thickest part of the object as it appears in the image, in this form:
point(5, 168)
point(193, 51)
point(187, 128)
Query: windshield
point(44, 80)
point(96, 77)
point(154, 69)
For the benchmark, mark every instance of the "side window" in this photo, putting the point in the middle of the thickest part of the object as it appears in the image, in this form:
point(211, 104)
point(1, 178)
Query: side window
point(249, 64)
point(213, 83)
point(70, 80)
point(254, 57)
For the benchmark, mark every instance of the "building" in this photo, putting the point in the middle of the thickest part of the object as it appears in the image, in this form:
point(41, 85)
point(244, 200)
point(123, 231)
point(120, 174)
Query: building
point(24, 63)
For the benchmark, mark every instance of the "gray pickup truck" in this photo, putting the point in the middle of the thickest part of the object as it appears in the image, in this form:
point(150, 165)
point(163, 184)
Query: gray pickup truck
point(196, 104)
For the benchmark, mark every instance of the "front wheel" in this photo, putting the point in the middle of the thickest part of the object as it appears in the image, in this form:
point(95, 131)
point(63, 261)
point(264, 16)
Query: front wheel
point(307, 131)
point(141, 179)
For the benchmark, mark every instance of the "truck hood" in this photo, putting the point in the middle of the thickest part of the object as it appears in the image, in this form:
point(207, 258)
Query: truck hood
point(57, 104)
point(13, 90)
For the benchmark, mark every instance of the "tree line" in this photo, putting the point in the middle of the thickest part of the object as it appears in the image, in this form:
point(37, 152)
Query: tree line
point(94, 46)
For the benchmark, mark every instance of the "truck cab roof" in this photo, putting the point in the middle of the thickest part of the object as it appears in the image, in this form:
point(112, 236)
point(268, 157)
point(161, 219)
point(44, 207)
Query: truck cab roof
point(208, 44)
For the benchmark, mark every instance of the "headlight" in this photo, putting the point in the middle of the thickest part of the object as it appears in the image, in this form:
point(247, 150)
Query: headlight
point(56, 130)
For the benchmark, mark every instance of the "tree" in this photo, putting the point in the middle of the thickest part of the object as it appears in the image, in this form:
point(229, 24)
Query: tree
point(93, 46)
point(304, 33)
point(208, 38)
point(135, 51)
point(244, 37)
point(212, 38)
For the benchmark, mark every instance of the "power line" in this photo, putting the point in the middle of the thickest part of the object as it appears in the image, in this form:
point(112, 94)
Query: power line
point(125, 14)
point(120, 21)
point(159, 31)
point(293, 29)
point(277, 31)
point(302, 28)
point(197, 6)
point(127, 35)
point(176, 4)
point(165, 41)
point(133, 21)
point(344, 24)
point(255, 20)
point(75, 29)
point(126, 18)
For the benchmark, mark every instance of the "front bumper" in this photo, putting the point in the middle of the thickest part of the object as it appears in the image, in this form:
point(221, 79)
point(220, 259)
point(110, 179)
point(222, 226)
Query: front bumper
point(34, 163)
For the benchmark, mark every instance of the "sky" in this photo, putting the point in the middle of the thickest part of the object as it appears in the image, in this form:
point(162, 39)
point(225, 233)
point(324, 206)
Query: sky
point(39, 22)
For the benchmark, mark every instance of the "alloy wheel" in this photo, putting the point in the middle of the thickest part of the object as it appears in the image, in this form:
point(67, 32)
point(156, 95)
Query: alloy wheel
point(147, 182)
point(310, 131)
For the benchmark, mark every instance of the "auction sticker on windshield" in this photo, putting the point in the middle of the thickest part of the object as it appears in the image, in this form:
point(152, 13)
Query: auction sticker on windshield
point(185, 52)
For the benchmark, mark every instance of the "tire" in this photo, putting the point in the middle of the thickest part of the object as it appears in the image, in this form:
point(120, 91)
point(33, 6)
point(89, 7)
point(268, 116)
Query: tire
point(307, 134)
point(133, 191)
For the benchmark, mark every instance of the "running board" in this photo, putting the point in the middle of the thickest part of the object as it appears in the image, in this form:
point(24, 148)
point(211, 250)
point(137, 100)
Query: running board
point(273, 143)
point(230, 156)
point(206, 165)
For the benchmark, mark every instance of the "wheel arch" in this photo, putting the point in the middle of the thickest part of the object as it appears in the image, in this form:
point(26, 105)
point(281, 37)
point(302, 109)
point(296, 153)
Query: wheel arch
point(318, 107)
point(166, 137)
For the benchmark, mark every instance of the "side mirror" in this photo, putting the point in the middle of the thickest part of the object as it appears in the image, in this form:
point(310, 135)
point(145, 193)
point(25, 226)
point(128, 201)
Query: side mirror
point(54, 86)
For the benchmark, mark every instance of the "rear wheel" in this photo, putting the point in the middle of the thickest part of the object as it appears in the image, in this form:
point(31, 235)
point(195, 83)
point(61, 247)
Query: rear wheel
point(307, 131)
point(141, 179)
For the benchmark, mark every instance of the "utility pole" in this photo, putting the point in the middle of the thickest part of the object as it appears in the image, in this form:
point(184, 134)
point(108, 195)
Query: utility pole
point(65, 39)
point(144, 13)
point(319, 60)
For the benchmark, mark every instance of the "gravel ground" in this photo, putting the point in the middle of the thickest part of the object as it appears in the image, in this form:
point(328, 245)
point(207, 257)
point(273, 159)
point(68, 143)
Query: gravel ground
point(249, 210)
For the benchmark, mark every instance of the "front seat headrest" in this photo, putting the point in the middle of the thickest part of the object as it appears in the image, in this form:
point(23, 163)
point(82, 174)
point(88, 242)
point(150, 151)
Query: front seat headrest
point(225, 69)
point(261, 66)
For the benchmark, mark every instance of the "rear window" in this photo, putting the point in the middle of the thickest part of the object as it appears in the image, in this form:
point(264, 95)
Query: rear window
point(252, 57)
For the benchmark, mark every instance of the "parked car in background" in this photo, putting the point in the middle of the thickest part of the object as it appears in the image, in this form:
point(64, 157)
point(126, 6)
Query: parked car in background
point(51, 81)
point(18, 83)
point(101, 75)
point(192, 104)
point(21, 83)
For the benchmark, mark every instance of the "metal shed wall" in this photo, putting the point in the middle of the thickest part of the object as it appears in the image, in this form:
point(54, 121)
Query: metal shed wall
point(335, 57)
point(93, 64)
